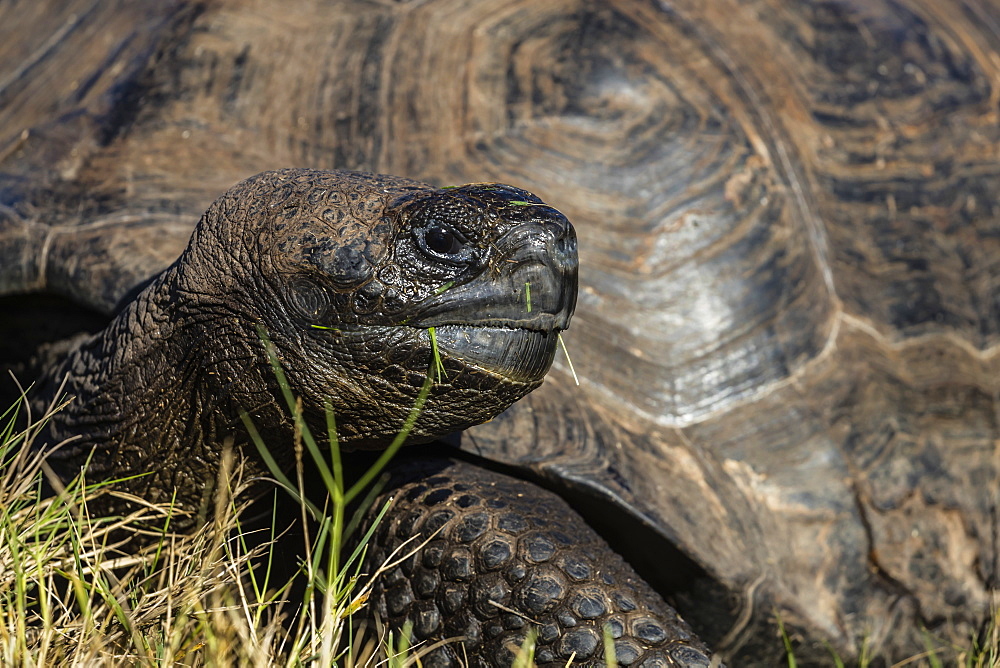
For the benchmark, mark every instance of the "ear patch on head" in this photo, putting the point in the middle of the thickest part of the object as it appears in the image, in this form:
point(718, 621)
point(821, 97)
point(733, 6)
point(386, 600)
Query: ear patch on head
point(309, 300)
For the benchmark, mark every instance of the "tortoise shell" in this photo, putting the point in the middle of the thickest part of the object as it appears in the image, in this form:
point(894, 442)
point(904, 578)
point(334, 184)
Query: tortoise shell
point(786, 335)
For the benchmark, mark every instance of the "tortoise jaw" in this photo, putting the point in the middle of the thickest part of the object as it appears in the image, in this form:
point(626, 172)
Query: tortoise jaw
point(516, 353)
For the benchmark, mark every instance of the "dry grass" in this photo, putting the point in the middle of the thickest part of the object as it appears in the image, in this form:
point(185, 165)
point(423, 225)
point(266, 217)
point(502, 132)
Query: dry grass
point(77, 589)
point(72, 592)
point(982, 651)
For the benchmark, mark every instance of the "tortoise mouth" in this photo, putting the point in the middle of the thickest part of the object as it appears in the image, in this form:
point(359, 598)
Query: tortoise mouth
point(517, 353)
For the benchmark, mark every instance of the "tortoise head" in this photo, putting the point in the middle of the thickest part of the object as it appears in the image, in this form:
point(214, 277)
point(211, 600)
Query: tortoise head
point(357, 278)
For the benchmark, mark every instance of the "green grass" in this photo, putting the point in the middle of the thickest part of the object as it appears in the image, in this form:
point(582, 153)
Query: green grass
point(980, 652)
point(69, 596)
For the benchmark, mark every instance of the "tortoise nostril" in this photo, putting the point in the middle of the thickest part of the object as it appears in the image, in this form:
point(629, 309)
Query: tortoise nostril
point(563, 252)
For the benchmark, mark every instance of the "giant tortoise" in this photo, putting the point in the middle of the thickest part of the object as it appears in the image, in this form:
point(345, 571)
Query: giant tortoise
point(382, 298)
point(788, 316)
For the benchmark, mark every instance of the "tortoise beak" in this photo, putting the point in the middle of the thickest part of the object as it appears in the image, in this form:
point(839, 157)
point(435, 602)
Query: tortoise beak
point(508, 318)
point(530, 283)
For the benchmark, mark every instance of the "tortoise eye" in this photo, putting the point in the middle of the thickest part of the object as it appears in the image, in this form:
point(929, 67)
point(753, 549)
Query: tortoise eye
point(444, 243)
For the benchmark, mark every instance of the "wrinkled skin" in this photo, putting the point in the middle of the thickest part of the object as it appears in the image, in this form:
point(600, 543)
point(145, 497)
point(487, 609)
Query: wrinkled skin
point(787, 329)
point(342, 272)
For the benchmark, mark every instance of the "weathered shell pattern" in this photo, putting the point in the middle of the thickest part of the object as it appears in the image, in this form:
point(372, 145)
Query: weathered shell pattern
point(790, 246)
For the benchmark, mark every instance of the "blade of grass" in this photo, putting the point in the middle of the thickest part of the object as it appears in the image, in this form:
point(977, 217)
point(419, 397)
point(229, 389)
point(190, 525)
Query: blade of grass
point(569, 361)
point(789, 650)
point(437, 366)
point(610, 658)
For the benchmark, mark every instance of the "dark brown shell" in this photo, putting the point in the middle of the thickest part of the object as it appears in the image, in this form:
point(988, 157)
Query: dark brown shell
point(790, 244)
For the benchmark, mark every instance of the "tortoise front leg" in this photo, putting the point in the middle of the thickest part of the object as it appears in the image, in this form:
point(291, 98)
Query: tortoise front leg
point(503, 557)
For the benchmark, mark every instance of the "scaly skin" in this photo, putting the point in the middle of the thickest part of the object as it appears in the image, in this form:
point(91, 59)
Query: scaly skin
point(504, 556)
point(337, 269)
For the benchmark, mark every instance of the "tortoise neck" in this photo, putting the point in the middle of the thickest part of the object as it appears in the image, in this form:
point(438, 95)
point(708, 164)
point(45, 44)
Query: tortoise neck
point(146, 399)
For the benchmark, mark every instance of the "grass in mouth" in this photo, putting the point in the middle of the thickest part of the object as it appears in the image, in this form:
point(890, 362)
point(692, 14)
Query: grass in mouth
point(444, 288)
point(437, 366)
point(562, 344)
